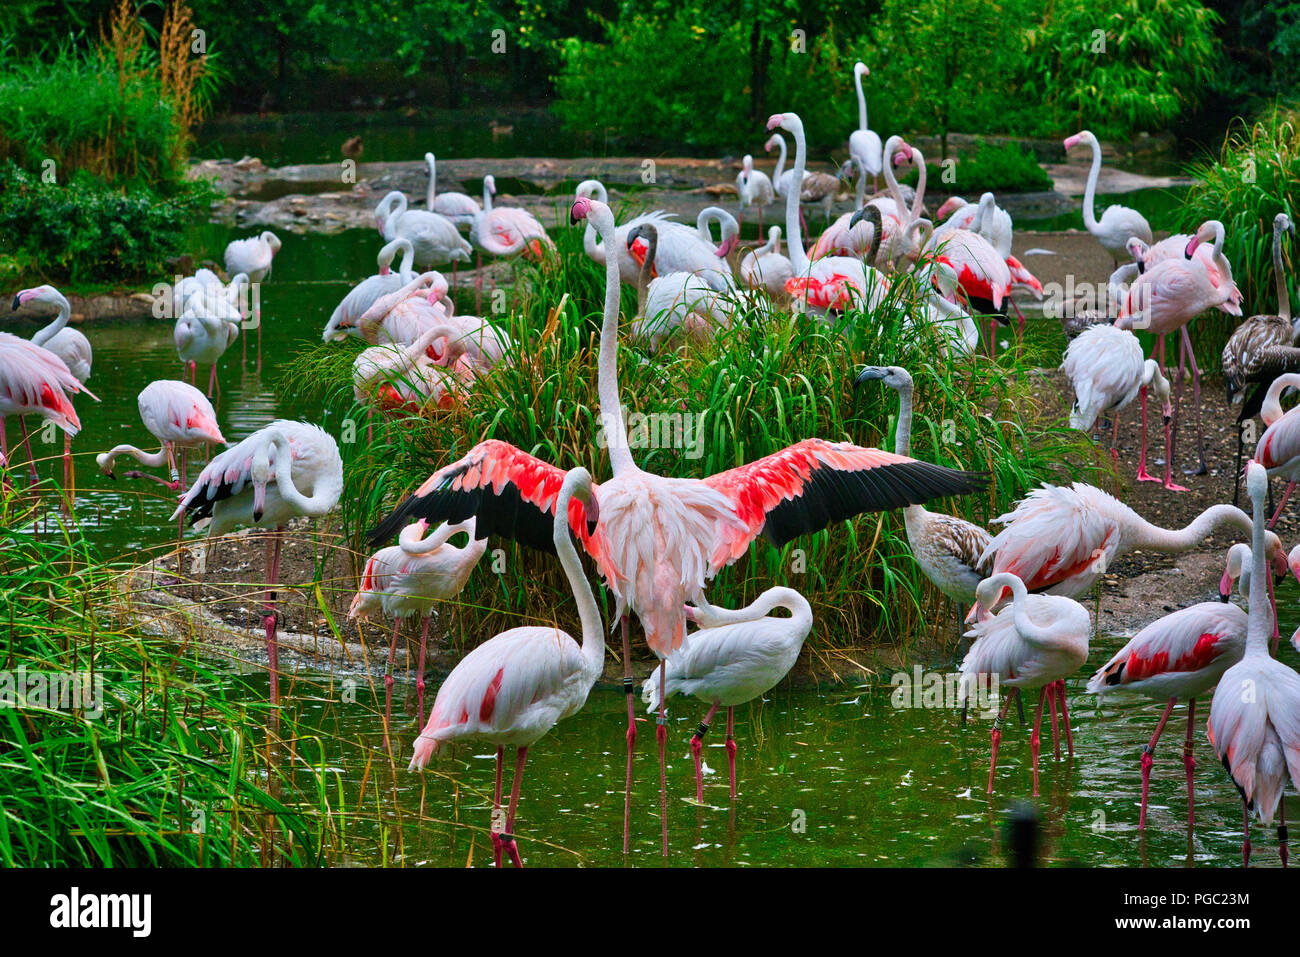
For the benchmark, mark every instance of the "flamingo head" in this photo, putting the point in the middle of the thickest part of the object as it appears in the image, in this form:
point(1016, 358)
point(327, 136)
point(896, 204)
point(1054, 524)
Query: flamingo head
point(860, 69)
point(1138, 249)
point(1282, 223)
point(580, 211)
point(490, 184)
point(847, 168)
point(385, 269)
point(950, 206)
point(904, 155)
point(747, 163)
point(36, 293)
point(728, 244)
point(1072, 141)
point(779, 119)
point(770, 144)
point(105, 463)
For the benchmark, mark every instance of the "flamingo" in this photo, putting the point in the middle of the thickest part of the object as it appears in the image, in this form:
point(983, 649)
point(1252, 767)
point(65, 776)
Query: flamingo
point(517, 685)
point(686, 250)
point(1278, 449)
point(393, 376)
point(814, 188)
point(34, 381)
point(401, 316)
point(661, 538)
point(766, 266)
point(179, 416)
point(281, 471)
point(1254, 723)
point(995, 226)
point(754, 187)
point(253, 258)
point(433, 237)
point(628, 265)
point(1182, 655)
point(73, 348)
point(674, 300)
point(1106, 367)
point(950, 550)
point(1192, 246)
point(1036, 642)
point(1164, 299)
point(203, 335)
point(831, 283)
point(507, 230)
point(849, 235)
point(1117, 223)
point(1061, 540)
point(457, 207)
point(347, 314)
point(864, 143)
point(1244, 348)
point(406, 580)
point(732, 657)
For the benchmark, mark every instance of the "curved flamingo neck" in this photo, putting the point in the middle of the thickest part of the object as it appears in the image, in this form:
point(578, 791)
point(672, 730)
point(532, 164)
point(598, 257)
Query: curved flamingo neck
point(647, 268)
point(325, 490)
point(780, 159)
point(1025, 626)
point(891, 181)
point(860, 190)
point(151, 459)
point(1173, 541)
point(593, 638)
point(1279, 275)
point(56, 325)
point(793, 232)
point(611, 410)
point(919, 199)
point(1090, 189)
point(777, 597)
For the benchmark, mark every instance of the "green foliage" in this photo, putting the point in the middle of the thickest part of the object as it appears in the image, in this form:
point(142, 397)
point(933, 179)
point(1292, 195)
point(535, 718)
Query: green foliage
point(999, 168)
point(768, 381)
point(1255, 177)
point(86, 231)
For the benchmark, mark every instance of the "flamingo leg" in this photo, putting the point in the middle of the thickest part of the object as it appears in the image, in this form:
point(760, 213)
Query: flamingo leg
point(269, 620)
point(4, 458)
point(997, 733)
point(1142, 474)
point(628, 687)
point(1065, 718)
point(697, 745)
point(1114, 438)
point(419, 675)
point(508, 838)
point(661, 736)
point(388, 680)
point(1189, 763)
point(1056, 731)
point(1034, 740)
point(69, 476)
point(1281, 831)
point(1196, 400)
point(1282, 504)
point(1245, 842)
point(1178, 396)
point(731, 749)
point(498, 825)
point(27, 447)
point(1148, 759)
point(1169, 482)
point(259, 339)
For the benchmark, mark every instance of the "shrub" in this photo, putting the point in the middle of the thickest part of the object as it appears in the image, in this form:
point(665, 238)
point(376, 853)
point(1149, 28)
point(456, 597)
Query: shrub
point(88, 231)
point(996, 168)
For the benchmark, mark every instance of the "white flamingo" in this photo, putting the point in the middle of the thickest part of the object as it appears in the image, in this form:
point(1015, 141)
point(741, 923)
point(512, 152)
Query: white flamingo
point(1118, 223)
point(347, 314)
point(767, 267)
point(458, 207)
point(864, 143)
point(433, 237)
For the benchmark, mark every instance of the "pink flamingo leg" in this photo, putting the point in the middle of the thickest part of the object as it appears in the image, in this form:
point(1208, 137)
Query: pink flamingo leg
point(69, 476)
point(508, 838)
point(1142, 474)
point(1282, 504)
point(1035, 741)
point(269, 621)
point(497, 823)
point(1245, 843)
point(1148, 759)
point(1056, 732)
point(628, 687)
point(1065, 718)
point(1169, 482)
point(1281, 832)
point(997, 735)
point(419, 675)
point(697, 745)
point(1272, 601)
point(1189, 763)
point(731, 749)
point(4, 458)
point(388, 680)
point(661, 736)
point(27, 447)
point(259, 339)
point(1196, 400)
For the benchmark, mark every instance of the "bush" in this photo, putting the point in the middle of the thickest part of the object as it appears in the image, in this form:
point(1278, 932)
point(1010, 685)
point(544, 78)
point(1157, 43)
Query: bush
point(1008, 167)
point(87, 231)
point(1255, 177)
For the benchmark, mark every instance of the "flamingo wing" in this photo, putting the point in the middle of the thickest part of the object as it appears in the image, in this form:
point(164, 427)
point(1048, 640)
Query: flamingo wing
point(1185, 641)
point(806, 487)
point(509, 493)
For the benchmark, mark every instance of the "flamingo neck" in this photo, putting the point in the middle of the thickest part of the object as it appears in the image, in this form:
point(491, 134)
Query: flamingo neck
point(1279, 277)
point(56, 326)
point(151, 459)
point(862, 103)
point(793, 232)
point(1090, 189)
point(433, 183)
point(1260, 624)
point(611, 411)
point(780, 159)
point(487, 198)
point(903, 434)
point(593, 638)
point(643, 274)
point(860, 191)
point(326, 489)
point(800, 611)
point(891, 181)
point(919, 199)
point(1173, 541)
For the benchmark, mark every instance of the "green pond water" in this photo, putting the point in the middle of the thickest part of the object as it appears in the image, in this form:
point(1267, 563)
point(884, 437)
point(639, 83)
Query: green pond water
point(828, 775)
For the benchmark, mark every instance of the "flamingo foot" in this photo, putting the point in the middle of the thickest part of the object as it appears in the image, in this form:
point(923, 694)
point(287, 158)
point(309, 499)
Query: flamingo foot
point(1148, 760)
point(1173, 486)
point(512, 849)
point(1144, 476)
point(696, 747)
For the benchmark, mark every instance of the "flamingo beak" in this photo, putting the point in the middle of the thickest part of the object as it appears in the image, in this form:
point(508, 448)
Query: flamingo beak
point(1191, 247)
point(871, 374)
point(1225, 587)
point(775, 120)
point(690, 614)
point(727, 246)
point(18, 300)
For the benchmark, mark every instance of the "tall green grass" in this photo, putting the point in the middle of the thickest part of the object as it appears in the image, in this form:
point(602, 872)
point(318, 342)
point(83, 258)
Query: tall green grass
point(768, 381)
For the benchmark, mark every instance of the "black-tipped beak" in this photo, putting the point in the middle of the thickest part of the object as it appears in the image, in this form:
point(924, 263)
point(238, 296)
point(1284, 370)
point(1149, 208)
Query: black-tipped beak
point(573, 220)
point(857, 217)
point(17, 302)
point(257, 515)
point(111, 475)
point(1189, 249)
point(1223, 597)
point(870, 374)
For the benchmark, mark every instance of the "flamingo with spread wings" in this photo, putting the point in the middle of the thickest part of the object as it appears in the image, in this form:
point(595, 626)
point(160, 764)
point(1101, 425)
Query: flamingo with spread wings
point(660, 539)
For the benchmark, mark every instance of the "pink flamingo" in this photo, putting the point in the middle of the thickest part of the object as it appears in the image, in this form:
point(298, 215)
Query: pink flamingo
point(407, 579)
point(754, 187)
point(686, 250)
point(179, 416)
point(203, 333)
point(403, 315)
point(629, 266)
point(34, 381)
point(347, 314)
point(1061, 540)
point(253, 257)
point(517, 685)
point(73, 348)
point(732, 657)
point(434, 237)
point(1254, 721)
point(1278, 449)
point(281, 471)
point(864, 142)
point(766, 267)
point(1036, 642)
point(507, 230)
point(661, 538)
point(832, 283)
point(1182, 655)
